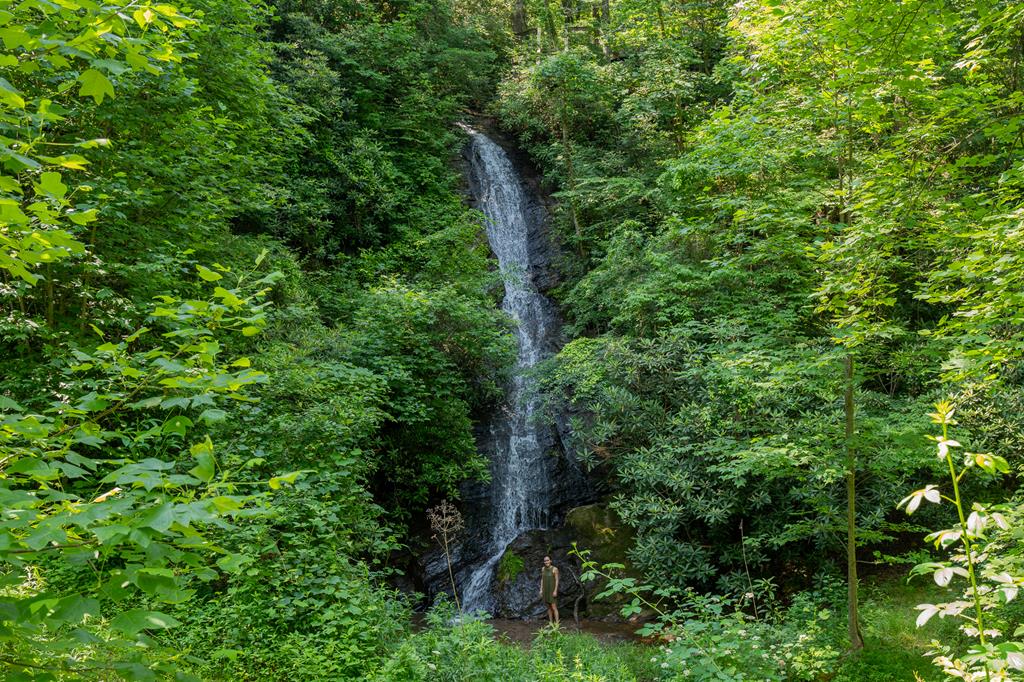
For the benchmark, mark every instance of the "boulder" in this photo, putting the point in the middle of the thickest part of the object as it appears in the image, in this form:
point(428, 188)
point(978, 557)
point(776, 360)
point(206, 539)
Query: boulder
point(517, 580)
point(599, 530)
point(592, 527)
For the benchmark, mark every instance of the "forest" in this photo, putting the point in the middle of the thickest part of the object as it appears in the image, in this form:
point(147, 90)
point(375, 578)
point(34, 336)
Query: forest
point(280, 400)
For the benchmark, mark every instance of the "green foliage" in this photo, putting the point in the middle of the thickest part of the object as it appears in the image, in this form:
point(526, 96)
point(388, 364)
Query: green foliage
point(468, 651)
point(50, 50)
point(749, 193)
point(805, 174)
point(894, 647)
point(203, 135)
point(381, 88)
point(991, 585)
point(293, 614)
point(510, 566)
point(712, 638)
point(112, 477)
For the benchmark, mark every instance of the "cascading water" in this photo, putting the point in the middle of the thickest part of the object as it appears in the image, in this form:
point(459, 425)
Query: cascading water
point(520, 490)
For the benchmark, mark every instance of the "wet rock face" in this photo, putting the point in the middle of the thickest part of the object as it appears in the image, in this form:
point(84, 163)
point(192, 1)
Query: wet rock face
point(513, 591)
point(542, 249)
point(534, 481)
point(516, 582)
point(592, 527)
point(517, 593)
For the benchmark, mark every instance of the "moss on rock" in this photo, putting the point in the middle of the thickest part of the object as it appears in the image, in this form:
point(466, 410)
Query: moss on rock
point(600, 530)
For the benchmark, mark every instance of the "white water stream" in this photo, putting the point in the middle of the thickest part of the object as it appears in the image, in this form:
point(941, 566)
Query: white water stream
point(520, 490)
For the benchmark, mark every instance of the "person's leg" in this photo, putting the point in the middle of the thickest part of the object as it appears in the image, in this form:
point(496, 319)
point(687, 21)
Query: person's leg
point(550, 615)
point(554, 610)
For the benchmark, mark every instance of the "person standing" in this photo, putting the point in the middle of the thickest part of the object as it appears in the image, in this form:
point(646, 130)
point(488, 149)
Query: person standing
point(549, 589)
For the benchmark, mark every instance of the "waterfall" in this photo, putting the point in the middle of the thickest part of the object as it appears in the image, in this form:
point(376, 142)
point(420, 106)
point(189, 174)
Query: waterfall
point(520, 491)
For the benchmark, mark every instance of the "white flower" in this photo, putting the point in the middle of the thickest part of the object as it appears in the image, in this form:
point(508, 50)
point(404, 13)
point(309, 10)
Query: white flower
point(945, 445)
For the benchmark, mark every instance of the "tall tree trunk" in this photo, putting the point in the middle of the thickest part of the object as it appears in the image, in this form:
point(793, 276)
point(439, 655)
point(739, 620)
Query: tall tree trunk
point(602, 18)
point(853, 621)
point(568, 23)
point(49, 295)
point(570, 171)
point(520, 26)
point(661, 19)
point(571, 11)
point(549, 21)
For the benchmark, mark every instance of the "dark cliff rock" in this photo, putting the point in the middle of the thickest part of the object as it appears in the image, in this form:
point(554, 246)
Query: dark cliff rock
point(569, 484)
point(592, 527)
point(542, 245)
point(517, 594)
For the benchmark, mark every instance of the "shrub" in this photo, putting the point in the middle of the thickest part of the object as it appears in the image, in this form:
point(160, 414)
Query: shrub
point(510, 566)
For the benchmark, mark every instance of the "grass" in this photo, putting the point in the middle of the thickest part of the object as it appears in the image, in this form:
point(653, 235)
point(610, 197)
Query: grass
point(611, 662)
point(894, 647)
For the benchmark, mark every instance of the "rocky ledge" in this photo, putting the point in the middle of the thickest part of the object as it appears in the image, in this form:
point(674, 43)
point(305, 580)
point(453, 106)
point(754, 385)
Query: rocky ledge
point(592, 527)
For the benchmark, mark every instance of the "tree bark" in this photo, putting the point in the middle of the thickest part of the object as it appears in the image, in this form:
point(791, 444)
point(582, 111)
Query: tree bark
point(661, 20)
point(520, 27)
point(603, 20)
point(549, 20)
point(570, 171)
point(568, 22)
point(853, 621)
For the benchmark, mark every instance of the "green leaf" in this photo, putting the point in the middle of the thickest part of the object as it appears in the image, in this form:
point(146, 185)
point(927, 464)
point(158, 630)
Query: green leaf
point(110, 534)
point(230, 654)
point(71, 161)
point(206, 467)
point(14, 37)
point(95, 85)
point(208, 274)
point(111, 65)
point(8, 404)
point(9, 184)
point(134, 621)
point(73, 609)
point(178, 425)
point(10, 96)
point(30, 427)
point(50, 183)
point(84, 217)
point(277, 481)
point(234, 563)
point(158, 518)
point(143, 17)
point(213, 415)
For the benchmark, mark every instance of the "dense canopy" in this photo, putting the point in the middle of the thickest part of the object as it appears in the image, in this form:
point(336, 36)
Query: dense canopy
point(251, 335)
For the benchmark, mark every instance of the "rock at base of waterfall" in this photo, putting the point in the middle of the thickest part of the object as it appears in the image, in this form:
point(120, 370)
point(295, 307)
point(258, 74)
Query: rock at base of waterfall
point(517, 580)
point(593, 527)
point(597, 528)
